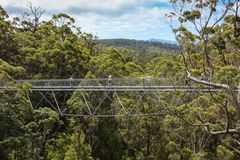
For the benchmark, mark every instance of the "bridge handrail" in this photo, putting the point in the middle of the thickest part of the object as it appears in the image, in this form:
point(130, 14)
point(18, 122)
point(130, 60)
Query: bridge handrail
point(143, 81)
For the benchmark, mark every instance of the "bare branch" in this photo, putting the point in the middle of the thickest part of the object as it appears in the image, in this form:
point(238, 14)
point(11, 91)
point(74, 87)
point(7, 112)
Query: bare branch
point(228, 88)
point(31, 20)
point(230, 131)
point(228, 117)
point(217, 85)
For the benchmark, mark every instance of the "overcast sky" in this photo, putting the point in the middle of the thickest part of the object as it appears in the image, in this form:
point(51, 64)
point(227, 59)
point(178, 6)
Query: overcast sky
point(133, 19)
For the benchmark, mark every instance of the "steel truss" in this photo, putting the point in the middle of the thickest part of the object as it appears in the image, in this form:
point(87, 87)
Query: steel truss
point(110, 97)
point(116, 106)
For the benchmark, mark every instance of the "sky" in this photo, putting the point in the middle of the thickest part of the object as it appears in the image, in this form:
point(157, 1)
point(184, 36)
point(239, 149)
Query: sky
point(132, 19)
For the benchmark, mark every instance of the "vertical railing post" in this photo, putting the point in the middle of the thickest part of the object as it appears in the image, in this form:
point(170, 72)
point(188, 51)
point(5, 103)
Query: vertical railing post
point(143, 82)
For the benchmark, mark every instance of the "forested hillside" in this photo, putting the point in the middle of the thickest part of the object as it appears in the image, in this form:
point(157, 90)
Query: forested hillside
point(193, 125)
point(141, 46)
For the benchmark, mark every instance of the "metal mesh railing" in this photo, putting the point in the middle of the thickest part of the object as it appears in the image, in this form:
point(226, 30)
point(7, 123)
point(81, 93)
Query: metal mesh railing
point(114, 84)
point(101, 82)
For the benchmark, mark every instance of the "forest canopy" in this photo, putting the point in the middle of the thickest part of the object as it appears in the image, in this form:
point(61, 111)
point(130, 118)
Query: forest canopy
point(195, 126)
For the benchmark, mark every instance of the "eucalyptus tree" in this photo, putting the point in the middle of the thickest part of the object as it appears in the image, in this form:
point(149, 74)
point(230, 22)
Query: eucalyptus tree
point(208, 33)
point(8, 44)
point(56, 46)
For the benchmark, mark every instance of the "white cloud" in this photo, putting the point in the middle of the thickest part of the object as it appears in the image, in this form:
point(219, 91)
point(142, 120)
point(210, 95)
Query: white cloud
point(90, 4)
point(140, 24)
point(140, 19)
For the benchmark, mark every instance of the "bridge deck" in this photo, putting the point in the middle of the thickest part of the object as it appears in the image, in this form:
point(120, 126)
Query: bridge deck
point(113, 84)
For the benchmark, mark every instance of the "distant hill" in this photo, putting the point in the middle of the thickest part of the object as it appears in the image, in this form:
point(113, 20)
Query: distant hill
point(163, 41)
point(141, 46)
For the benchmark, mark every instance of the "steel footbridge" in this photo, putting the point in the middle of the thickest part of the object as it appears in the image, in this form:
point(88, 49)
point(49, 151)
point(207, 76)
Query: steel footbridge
point(109, 97)
point(116, 84)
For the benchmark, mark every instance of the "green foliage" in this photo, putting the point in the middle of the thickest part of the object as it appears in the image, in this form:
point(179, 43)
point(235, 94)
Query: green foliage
point(69, 147)
point(184, 130)
point(113, 62)
point(224, 154)
point(229, 75)
point(8, 45)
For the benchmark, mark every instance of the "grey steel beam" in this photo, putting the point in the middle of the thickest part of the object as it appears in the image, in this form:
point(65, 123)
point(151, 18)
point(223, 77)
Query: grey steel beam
point(119, 89)
point(127, 90)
